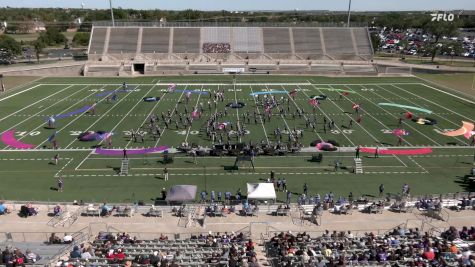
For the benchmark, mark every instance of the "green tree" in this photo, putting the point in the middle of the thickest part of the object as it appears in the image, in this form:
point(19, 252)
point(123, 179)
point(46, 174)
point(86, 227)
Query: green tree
point(81, 39)
point(439, 29)
point(10, 44)
point(39, 46)
point(375, 41)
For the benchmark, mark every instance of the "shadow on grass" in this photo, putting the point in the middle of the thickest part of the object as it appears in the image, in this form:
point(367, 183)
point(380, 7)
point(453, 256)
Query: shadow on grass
point(465, 183)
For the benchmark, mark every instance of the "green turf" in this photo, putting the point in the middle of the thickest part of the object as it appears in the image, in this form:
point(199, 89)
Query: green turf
point(93, 177)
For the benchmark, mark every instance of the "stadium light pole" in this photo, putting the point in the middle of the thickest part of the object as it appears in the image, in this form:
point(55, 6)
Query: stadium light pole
point(349, 14)
point(112, 13)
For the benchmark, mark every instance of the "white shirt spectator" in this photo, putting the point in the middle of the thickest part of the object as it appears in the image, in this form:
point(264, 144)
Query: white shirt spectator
point(67, 238)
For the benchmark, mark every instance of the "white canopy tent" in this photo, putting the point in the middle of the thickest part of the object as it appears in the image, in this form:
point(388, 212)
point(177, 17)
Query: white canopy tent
point(261, 191)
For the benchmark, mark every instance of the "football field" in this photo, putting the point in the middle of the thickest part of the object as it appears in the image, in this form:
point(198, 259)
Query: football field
point(394, 113)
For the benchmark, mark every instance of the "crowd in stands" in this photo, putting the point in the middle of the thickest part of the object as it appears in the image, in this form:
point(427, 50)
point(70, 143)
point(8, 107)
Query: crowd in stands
point(218, 48)
point(401, 246)
point(231, 249)
point(12, 257)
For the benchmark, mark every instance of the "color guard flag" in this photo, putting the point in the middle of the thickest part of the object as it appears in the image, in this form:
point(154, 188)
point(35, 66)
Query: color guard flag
point(313, 102)
point(52, 137)
point(293, 93)
point(171, 87)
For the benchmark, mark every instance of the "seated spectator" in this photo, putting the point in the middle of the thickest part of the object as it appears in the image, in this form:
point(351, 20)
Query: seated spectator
point(67, 239)
point(220, 48)
point(428, 254)
point(31, 257)
point(106, 210)
point(32, 211)
point(4, 209)
point(89, 253)
point(57, 210)
point(53, 239)
point(76, 253)
point(119, 255)
point(163, 237)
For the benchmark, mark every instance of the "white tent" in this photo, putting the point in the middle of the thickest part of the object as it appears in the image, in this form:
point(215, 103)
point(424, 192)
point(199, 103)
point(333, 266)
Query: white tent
point(261, 191)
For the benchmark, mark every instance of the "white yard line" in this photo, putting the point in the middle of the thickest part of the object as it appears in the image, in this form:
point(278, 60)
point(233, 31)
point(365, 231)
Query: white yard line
point(36, 114)
point(96, 121)
point(390, 114)
point(435, 114)
point(447, 93)
point(369, 114)
point(148, 115)
point(238, 125)
point(346, 114)
point(417, 163)
point(400, 160)
point(16, 88)
point(32, 104)
point(434, 103)
point(238, 84)
point(64, 167)
point(329, 119)
point(260, 117)
point(82, 161)
point(55, 103)
point(126, 115)
point(172, 113)
point(196, 106)
point(305, 116)
point(21, 92)
point(76, 118)
point(289, 130)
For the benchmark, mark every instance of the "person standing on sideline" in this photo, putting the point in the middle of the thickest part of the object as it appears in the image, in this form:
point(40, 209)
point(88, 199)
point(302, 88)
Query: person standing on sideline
point(337, 165)
point(376, 152)
point(305, 189)
point(56, 159)
point(165, 173)
point(381, 190)
point(357, 155)
point(284, 185)
point(125, 154)
point(289, 197)
point(60, 184)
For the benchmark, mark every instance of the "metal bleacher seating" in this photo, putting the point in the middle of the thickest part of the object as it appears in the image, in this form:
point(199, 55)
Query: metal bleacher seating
point(155, 40)
point(186, 40)
point(338, 42)
point(277, 40)
point(123, 40)
point(175, 50)
point(307, 41)
point(98, 39)
point(247, 40)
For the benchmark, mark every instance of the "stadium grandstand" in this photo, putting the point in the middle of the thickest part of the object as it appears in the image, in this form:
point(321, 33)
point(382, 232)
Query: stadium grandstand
point(134, 50)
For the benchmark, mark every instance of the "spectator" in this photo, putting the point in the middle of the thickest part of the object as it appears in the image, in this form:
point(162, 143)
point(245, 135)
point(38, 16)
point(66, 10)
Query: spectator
point(4, 209)
point(53, 239)
point(219, 48)
point(31, 257)
point(106, 210)
point(76, 253)
point(57, 210)
point(67, 239)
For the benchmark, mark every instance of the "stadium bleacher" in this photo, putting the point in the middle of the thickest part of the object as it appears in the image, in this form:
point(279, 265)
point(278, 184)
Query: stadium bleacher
point(123, 40)
point(155, 40)
point(338, 42)
point(186, 40)
point(308, 41)
point(98, 39)
point(175, 49)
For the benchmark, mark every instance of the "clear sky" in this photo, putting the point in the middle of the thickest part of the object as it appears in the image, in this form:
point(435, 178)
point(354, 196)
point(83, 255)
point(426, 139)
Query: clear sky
point(361, 5)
